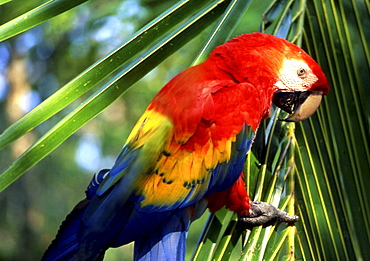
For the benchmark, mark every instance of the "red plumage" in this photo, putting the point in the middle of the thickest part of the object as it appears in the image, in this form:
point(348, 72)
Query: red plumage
point(188, 148)
point(235, 199)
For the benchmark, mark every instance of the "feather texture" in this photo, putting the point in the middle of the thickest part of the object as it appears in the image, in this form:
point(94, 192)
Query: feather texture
point(186, 151)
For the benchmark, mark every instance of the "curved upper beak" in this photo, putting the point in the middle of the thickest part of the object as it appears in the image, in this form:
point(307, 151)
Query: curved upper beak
point(300, 105)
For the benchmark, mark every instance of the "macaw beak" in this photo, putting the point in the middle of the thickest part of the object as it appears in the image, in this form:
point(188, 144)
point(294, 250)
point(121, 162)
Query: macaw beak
point(300, 105)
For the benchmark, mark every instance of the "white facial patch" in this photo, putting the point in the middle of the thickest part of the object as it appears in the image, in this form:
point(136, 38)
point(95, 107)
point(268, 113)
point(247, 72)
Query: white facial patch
point(295, 75)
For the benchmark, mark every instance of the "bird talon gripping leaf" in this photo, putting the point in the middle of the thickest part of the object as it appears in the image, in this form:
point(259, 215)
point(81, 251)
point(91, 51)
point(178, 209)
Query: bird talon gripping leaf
point(187, 151)
point(262, 213)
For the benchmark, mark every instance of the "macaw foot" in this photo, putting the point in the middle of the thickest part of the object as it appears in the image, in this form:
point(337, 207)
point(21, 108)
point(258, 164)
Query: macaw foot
point(263, 213)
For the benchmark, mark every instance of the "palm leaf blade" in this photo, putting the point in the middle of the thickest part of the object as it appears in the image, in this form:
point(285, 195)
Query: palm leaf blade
point(36, 16)
point(317, 169)
point(332, 138)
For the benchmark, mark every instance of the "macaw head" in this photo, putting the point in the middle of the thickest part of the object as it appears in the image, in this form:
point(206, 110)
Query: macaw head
point(278, 69)
point(300, 85)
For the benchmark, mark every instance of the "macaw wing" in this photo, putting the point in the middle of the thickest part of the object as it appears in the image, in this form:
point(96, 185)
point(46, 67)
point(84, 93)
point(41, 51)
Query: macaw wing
point(173, 161)
point(140, 154)
point(114, 191)
point(184, 177)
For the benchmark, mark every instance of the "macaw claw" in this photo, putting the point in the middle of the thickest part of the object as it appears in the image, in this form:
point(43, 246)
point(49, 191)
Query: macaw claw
point(263, 213)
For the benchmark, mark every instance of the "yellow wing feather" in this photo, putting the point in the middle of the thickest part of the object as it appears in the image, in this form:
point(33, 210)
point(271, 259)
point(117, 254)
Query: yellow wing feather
point(178, 175)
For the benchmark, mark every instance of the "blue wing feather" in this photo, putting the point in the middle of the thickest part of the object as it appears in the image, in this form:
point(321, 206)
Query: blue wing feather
point(225, 174)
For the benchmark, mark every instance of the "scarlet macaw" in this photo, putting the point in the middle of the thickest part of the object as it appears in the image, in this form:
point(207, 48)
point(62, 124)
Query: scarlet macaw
point(187, 151)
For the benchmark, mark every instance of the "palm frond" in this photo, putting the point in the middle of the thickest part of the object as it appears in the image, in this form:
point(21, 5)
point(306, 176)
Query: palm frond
point(35, 16)
point(332, 155)
point(318, 169)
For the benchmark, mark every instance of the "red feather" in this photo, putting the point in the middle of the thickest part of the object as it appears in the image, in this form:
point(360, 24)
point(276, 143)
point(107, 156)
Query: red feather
point(235, 199)
point(185, 146)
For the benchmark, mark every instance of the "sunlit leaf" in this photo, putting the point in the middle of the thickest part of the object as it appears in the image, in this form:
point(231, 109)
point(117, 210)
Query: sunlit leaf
point(4, 1)
point(36, 16)
point(318, 169)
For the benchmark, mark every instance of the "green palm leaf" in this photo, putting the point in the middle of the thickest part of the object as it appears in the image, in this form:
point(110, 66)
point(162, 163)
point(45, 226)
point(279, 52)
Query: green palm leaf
point(36, 16)
point(318, 169)
point(333, 158)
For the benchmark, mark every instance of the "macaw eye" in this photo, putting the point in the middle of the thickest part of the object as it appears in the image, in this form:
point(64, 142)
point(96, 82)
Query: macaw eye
point(301, 72)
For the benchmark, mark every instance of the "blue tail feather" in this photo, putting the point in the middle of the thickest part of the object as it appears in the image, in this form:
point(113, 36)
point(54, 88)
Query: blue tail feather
point(168, 241)
point(65, 245)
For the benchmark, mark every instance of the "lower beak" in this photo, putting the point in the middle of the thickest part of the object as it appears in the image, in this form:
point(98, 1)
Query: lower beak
point(300, 105)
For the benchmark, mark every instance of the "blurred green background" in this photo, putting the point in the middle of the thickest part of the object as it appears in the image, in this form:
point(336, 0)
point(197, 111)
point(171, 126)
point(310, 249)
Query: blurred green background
point(33, 65)
point(318, 169)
